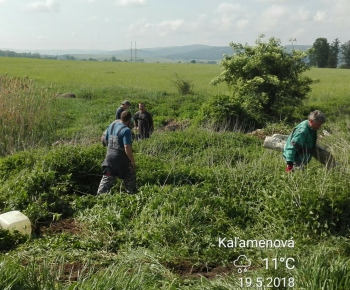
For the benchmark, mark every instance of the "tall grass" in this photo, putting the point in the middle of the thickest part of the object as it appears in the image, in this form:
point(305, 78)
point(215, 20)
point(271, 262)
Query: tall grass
point(196, 185)
point(27, 115)
point(192, 191)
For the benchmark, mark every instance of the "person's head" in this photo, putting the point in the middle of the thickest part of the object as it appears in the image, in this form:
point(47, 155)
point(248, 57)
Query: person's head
point(126, 104)
point(316, 119)
point(125, 117)
point(142, 107)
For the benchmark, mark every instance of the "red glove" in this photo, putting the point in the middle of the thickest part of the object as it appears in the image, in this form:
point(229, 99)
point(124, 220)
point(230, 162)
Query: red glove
point(289, 168)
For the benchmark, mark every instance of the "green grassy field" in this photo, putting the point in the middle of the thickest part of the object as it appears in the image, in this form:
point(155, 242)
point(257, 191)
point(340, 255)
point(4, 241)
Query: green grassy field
point(75, 75)
point(200, 190)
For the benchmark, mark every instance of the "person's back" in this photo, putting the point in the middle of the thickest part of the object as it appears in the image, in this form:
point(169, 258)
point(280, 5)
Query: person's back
point(300, 143)
point(119, 160)
point(117, 135)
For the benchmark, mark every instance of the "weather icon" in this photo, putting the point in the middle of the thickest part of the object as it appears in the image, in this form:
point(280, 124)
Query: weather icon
point(242, 263)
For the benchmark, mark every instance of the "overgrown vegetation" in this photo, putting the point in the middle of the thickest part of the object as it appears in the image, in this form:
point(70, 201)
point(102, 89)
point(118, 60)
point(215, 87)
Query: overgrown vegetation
point(184, 87)
point(266, 81)
point(27, 115)
point(196, 185)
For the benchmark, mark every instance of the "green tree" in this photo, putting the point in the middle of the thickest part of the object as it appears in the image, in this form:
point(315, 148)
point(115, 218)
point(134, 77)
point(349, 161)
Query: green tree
point(320, 52)
point(265, 80)
point(345, 50)
point(333, 54)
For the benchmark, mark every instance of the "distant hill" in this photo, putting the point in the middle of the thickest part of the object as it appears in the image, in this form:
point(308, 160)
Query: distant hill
point(208, 53)
point(185, 53)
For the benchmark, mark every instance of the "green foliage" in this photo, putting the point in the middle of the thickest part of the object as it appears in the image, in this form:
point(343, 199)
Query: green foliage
point(195, 185)
point(333, 53)
point(23, 115)
point(265, 79)
point(86, 94)
point(9, 240)
point(320, 53)
point(184, 87)
point(225, 113)
point(122, 77)
point(325, 267)
point(345, 50)
point(41, 182)
point(192, 191)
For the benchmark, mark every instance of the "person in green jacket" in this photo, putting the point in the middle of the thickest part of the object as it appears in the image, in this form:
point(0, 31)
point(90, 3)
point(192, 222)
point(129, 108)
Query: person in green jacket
point(302, 141)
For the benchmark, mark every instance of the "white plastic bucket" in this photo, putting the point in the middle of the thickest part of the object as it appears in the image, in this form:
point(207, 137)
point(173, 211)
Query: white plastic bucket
point(15, 220)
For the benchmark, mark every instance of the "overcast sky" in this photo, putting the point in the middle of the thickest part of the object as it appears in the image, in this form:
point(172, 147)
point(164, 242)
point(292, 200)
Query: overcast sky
point(114, 24)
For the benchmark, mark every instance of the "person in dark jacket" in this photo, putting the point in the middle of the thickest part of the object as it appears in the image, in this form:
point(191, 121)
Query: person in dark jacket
point(302, 141)
point(143, 122)
point(123, 107)
point(119, 161)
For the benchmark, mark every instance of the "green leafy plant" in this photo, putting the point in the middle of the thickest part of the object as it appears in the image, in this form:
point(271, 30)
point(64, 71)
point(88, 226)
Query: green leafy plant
point(266, 80)
point(183, 86)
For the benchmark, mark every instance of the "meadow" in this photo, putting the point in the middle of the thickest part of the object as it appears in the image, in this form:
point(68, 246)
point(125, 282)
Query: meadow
point(206, 197)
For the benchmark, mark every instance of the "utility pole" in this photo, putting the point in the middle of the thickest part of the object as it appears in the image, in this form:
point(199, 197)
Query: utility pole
point(131, 52)
point(135, 52)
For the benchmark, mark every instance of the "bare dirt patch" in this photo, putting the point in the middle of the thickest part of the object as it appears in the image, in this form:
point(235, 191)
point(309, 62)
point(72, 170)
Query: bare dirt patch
point(173, 125)
point(70, 226)
point(189, 271)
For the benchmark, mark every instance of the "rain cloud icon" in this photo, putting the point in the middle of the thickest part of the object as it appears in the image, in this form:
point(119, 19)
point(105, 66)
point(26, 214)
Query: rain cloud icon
point(242, 263)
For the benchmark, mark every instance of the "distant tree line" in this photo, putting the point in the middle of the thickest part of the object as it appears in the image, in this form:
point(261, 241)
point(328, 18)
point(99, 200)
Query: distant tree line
point(10, 53)
point(323, 54)
point(328, 55)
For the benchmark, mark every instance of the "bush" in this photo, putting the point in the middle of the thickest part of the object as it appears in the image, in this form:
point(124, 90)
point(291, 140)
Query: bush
point(184, 87)
point(224, 112)
point(265, 79)
point(42, 182)
point(9, 240)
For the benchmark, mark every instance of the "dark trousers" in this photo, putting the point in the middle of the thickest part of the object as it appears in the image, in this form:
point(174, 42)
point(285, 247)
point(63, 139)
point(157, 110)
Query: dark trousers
point(108, 179)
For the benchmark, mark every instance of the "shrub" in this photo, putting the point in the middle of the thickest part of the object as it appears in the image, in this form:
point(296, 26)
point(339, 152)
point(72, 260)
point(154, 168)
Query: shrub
point(226, 113)
point(265, 79)
point(8, 240)
point(184, 87)
point(44, 181)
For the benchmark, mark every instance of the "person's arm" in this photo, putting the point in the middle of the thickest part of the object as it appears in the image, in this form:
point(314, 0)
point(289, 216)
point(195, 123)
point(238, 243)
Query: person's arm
point(104, 138)
point(127, 146)
point(151, 127)
point(116, 114)
point(294, 144)
point(136, 119)
point(129, 153)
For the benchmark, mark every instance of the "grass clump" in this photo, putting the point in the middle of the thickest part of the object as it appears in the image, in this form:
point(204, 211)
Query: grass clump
point(24, 115)
point(184, 87)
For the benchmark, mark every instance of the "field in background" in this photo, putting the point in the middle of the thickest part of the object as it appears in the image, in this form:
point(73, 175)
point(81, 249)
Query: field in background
point(196, 186)
point(64, 75)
